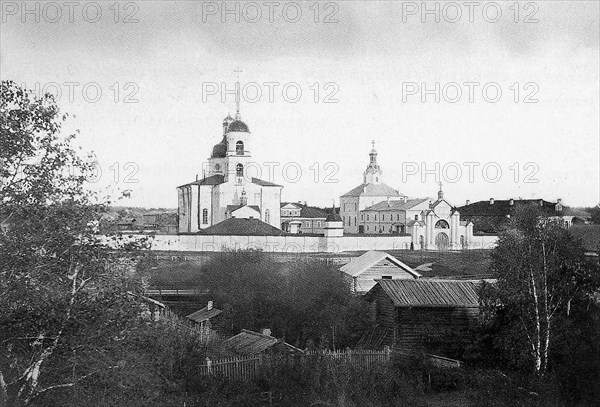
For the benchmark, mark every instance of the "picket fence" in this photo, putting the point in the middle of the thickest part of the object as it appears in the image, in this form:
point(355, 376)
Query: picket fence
point(247, 367)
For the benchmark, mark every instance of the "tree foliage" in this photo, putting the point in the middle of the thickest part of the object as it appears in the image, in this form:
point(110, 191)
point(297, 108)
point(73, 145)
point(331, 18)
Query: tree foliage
point(68, 299)
point(542, 271)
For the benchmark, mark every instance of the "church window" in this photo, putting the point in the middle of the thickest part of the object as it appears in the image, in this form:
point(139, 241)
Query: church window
point(355, 221)
point(362, 216)
point(217, 167)
point(205, 216)
point(367, 228)
point(239, 169)
point(375, 216)
point(416, 217)
point(267, 216)
point(367, 216)
point(442, 224)
point(318, 224)
point(239, 148)
point(383, 217)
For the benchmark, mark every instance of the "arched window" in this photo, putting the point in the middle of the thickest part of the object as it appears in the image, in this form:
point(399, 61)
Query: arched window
point(239, 148)
point(267, 216)
point(239, 170)
point(205, 216)
point(442, 224)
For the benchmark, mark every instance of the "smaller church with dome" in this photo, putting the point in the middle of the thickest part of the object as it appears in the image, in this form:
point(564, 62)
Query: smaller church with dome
point(225, 191)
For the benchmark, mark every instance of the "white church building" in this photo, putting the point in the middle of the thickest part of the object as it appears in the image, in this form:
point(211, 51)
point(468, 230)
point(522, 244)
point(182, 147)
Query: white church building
point(225, 191)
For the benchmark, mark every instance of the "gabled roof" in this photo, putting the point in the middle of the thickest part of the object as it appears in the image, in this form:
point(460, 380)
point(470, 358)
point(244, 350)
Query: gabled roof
point(204, 314)
point(250, 343)
point(369, 259)
point(589, 235)
point(218, 179)
point(306, 211)
point(372, 190)
point(264, 183)
point(233, 208)
point(429, 293)
point(212, 180)
point(243, 227)
point(396, 205)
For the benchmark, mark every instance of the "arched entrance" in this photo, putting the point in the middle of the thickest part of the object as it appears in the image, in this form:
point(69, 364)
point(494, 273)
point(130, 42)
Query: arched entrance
point(442, 241)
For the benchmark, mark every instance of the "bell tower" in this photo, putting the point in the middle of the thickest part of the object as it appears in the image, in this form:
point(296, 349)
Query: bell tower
point(373, 173)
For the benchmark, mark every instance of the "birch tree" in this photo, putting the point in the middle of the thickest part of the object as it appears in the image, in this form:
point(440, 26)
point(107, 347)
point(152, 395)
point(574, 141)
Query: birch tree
point(541, 268)
point(63, 295)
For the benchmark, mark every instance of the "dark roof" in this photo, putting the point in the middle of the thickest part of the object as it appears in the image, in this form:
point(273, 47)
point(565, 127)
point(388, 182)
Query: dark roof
point(307, 211)
point(589, 235)
point(212, 180)
point(430, 293)
point(250, 342)
point(502, 207)
point(397, 205)
point(372, 190)
point(264, 183)
point(220, 150)
point(238, 125)
point(204, 314)
point(232, 208)
point(243, 227)
point(333, 217)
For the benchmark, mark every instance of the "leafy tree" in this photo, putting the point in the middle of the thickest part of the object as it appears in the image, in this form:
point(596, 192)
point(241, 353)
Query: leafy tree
point(541, 270)
point(67, 298)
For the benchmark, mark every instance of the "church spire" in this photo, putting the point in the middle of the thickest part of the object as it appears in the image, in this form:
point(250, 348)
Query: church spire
point(440, 192)
point(237, 95)
point(372, 174)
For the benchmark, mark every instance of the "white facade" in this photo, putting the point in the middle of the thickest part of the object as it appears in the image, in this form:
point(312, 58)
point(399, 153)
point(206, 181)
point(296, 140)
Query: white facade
point(225, 190)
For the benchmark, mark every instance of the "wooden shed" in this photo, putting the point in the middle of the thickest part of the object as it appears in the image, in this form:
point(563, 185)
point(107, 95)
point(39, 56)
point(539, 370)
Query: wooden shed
point(425, 315)
point(253, 343)
point(362, 271)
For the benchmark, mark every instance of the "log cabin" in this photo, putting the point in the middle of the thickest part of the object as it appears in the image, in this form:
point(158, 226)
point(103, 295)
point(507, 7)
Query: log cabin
point(362, 271)
point(425, 315)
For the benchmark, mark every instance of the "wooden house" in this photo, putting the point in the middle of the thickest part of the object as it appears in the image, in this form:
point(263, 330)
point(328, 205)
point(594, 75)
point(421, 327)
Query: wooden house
point(425, 315)
point(202, 317)
point(362, 271)
point(254, 343)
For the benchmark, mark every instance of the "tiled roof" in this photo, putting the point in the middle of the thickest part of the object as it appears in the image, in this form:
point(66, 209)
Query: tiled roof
point(369, 259)
point(243, 227)
point(250, 342)
point(204, 314)
point(396, 205)
point(430, 293)
point(372, 190)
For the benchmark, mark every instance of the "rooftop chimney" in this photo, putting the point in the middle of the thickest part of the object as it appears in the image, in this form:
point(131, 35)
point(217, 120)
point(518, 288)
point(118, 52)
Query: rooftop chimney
point(468, 202)
point(209, 306)
point(491, 201)
point(388, 201)
point(559, 200)
point(541, 202)
point(266, 331)
point(511, 202)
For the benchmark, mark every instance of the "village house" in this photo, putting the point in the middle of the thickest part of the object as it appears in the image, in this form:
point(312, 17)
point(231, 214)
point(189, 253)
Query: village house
point(202, 318)
point(361, 272)
point(254, 343)
point(425, 315)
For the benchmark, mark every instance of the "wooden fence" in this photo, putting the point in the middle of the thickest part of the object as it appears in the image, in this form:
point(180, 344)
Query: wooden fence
point(247, 367)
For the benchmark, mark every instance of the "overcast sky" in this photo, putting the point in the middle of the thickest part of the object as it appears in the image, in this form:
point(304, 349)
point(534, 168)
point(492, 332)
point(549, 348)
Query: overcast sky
point(370, 61)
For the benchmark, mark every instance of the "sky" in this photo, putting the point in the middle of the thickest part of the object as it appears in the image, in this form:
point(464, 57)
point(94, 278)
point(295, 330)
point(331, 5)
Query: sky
point(493, 99)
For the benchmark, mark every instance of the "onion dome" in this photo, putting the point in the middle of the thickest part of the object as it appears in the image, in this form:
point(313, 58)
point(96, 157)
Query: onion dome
point(238, 125)
point(220, 150)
